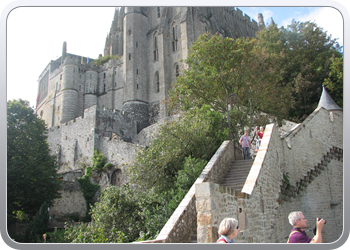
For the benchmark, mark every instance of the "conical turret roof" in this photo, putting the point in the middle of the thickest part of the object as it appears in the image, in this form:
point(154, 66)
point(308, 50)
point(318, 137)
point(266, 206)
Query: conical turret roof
point(327, 102)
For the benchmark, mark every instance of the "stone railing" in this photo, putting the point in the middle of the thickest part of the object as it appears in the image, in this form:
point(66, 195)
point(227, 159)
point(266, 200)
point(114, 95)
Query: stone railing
point(258, 162)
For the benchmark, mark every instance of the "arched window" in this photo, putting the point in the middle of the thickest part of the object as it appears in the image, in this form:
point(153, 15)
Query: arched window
point(117, 45)
point(177, 70)
point(116, 179)
point(158, 12)
point(174, 42)
point(157, 82)
point(155, 51)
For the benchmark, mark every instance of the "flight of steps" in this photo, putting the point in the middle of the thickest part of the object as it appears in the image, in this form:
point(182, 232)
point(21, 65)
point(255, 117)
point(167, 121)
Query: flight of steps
point(237, 174)
point(235, 178)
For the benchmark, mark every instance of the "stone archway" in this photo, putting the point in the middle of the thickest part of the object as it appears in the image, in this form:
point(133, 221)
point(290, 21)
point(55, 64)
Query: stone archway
point(116, 179)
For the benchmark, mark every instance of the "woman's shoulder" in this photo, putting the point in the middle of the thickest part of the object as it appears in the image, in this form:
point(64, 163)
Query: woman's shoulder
point(221, 240)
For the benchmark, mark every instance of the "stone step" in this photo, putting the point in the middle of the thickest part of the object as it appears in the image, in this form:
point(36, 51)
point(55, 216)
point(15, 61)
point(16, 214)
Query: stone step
point(237, 174)
point(241, 162)
point(234, 181)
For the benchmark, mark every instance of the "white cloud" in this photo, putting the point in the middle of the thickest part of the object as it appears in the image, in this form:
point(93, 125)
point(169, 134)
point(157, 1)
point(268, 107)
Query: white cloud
point(330, 19)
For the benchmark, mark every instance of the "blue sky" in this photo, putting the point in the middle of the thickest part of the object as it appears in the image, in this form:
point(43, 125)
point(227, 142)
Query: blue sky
point(328, 18)
point(37, 34)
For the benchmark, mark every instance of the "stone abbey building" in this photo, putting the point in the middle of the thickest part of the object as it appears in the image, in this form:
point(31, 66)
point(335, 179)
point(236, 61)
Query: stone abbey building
point(114, 108)
point(83, 103)
point(149, 41)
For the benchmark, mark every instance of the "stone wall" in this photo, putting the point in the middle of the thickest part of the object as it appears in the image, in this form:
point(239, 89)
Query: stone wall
point(305, 145)
point(74, 142)
point(263, 213)
point(214, 203)
point(72, 202)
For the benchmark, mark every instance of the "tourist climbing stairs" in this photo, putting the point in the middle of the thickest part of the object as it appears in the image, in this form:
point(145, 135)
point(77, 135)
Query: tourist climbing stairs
point(237, 174)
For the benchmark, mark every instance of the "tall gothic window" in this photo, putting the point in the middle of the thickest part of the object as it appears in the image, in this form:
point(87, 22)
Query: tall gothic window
point(117, 45)
point(177, 70)
point(157, 81)
point(155, 52)
point(158, 12)
point(174, 38)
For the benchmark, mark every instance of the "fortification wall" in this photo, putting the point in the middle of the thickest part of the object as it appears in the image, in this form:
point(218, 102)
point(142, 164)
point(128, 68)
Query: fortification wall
point(263, 214)
point(74, 141)
point(323, 198)
point(306, 144)
point(71, 204)
point(120, 154)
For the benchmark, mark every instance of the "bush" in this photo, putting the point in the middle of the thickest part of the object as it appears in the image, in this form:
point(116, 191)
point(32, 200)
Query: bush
point(38, 227)
point(99, 161)
point(104, 59)
point(117, 217)
point(89, 189)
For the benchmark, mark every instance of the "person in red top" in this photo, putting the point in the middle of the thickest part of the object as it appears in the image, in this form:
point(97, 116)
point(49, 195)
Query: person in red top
point(228, 229)
point(260, 136)
point(299, 223)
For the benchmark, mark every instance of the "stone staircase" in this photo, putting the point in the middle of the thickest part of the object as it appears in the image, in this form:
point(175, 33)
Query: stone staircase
point(237, 174)
point(289, 191)
point(235, 179)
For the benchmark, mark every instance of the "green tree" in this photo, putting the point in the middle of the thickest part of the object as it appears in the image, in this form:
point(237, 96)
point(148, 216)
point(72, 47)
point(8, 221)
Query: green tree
point(198, 134)
point(38, 227)
point(217, 67)
point(31, 170)
point(308, 51)
point(163, 172)
point(334, 82)
point(116, 218)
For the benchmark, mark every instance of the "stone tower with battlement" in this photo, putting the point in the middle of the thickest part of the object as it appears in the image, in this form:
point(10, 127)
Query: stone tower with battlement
point(83, 103)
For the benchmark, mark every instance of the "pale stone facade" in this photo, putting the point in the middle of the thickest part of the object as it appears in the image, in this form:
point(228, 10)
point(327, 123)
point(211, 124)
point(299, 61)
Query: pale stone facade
point(105, 107)
point(150, 41)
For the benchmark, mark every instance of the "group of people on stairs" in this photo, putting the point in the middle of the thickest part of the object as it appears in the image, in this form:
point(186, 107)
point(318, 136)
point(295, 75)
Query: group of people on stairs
point(245, 142)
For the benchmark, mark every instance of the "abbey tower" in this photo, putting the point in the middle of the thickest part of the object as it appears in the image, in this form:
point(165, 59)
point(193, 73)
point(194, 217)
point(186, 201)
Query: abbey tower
point(125, 95)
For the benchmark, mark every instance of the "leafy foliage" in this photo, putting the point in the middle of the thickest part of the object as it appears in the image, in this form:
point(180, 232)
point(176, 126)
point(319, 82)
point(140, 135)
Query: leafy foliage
point(334, 82)
point(197, 133)
point(31, 170)
point(89, 189)
point(185, 179)
point(103, 59)
point(38, 227)
point(57, 236)
point(182, 148)
point(308, 52)
point(99, 161)
point(115, 218)
point(217, 68)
